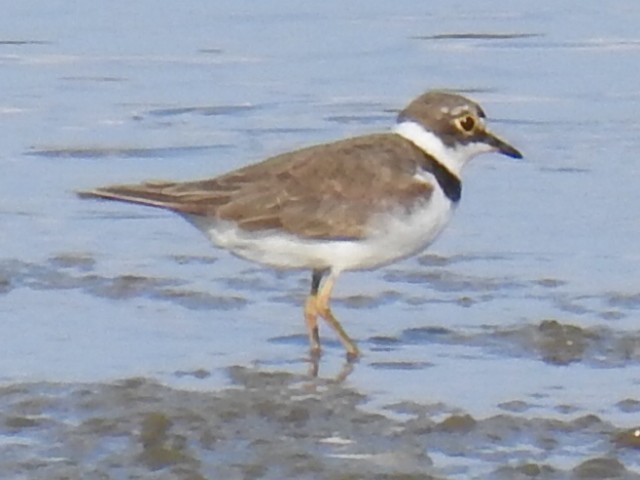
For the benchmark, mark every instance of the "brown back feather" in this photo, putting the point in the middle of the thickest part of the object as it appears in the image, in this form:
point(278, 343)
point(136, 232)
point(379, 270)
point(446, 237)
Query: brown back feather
point(327, 191)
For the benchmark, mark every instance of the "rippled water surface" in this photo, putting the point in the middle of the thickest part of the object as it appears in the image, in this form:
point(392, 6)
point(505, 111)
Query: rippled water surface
point(130, 348)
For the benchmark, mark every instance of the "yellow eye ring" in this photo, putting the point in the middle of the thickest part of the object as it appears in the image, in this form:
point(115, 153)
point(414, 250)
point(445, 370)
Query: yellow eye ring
point(467, 123)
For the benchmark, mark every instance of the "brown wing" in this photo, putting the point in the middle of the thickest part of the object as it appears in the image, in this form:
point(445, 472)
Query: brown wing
point(326, 191)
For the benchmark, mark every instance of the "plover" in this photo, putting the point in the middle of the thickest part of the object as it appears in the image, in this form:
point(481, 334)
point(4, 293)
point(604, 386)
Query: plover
point(354, 204)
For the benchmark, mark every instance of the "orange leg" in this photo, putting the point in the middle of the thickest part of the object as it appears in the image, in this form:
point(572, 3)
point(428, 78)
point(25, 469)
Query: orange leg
point(324, 310)
point(311, 313)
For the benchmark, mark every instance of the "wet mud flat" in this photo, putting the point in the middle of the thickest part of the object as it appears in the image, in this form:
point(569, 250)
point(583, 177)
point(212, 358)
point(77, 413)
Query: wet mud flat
point(267, 422)
point(276, 425)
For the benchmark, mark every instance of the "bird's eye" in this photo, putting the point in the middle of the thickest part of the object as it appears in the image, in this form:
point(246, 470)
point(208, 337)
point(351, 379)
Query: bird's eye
point(466, 123)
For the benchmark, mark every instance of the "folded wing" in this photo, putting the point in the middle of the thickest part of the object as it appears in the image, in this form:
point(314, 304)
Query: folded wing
point(326, 191)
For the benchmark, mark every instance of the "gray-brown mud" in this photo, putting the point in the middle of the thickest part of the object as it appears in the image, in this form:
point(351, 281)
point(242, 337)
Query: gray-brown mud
point(274, 425)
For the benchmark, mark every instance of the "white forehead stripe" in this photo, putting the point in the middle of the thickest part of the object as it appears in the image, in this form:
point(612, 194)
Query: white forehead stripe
point(453, 158)
point(459, 110)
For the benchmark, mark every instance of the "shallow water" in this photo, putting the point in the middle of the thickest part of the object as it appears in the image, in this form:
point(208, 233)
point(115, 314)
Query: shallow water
point(509, 350)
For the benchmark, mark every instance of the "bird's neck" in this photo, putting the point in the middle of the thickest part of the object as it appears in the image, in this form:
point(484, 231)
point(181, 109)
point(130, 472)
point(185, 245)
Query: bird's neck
point(451, 158)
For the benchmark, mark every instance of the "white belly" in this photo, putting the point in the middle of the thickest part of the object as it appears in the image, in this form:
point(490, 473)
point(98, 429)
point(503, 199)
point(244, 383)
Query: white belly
point(393, 237)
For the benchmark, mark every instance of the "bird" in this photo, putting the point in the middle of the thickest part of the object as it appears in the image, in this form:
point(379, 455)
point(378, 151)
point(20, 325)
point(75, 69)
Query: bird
point(358, 203)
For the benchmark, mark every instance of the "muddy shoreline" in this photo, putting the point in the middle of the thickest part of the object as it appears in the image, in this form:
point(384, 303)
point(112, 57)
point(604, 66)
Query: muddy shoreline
point(275, 425)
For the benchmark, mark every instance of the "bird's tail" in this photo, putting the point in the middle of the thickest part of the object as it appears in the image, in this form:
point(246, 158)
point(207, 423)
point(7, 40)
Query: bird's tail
point(154, 194)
